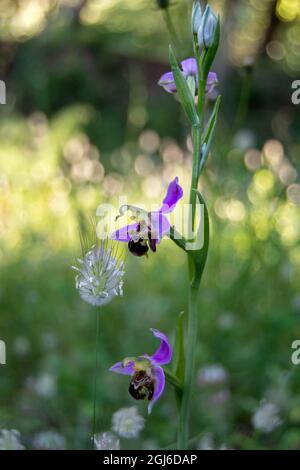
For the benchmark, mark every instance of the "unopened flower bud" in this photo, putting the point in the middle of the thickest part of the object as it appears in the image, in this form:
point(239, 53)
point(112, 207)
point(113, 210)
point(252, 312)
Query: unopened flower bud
point(196, 17)
point(207, 28)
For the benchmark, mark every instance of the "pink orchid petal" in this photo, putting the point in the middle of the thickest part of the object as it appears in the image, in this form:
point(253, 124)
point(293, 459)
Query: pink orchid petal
point(163, 355)
point(167, 82)
point(122, 234)
point(174, 193)
point(212, 81)
point(159, 386)
point(119, 368)
point(159, 225)
point(189, 67)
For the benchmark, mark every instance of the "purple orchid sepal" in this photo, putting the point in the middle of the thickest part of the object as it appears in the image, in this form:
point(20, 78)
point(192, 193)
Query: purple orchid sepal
point(150, 227)
point(147, 374)
point(189, 69)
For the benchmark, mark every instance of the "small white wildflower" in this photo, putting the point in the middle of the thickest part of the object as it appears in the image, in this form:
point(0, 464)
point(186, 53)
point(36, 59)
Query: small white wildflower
point(206, 442)
point(106, 441)
point(266, 417)
point(100, 275)
point(44, 385)
point(49, 440)
point(10, 440)
point(127, 422)
point(212, 375)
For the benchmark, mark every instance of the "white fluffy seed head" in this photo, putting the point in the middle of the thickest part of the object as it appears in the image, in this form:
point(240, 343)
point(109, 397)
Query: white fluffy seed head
point(127, 422)
point(100, 275)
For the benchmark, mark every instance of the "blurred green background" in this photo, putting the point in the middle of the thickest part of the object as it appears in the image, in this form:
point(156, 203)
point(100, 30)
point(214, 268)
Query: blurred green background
point(85, 123)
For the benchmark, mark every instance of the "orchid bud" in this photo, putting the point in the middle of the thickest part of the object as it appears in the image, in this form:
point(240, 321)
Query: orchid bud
point(203, 149)
point(196, 17)
point(207, 28)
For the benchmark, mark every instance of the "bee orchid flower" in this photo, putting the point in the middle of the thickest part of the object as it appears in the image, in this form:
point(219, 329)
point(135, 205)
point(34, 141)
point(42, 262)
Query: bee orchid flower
point(189, 69)
point(149, 227)
point(147, 376)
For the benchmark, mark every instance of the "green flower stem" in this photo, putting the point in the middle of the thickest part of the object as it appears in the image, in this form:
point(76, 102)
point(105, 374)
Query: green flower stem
point(184, 414)
point(191, 340)
point(196, 258)
point(196, 136)
point(96, 375)
point(201, 86)
point(201, 101)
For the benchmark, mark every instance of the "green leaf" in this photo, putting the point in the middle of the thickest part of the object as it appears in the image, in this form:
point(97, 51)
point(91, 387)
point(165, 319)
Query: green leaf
point(198, 257)
point(177, 237)
point(173, 380)
point(212, 121)
point(186, 98)
point(179, 360)
point(209, 133)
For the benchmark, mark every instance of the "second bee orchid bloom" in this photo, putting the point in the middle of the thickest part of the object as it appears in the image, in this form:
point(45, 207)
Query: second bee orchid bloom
point(147, 375)
point(189, 69)
point(149, 227)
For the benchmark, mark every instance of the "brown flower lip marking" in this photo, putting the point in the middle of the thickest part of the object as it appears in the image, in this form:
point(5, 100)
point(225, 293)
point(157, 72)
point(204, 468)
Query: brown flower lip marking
point(141, 386)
